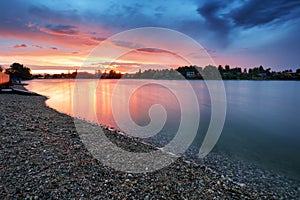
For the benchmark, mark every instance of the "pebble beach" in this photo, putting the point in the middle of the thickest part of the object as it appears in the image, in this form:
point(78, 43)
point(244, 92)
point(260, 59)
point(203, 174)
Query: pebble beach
point(43, 157)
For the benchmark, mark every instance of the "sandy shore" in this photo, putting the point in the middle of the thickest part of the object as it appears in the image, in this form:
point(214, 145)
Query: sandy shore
point(42, 157)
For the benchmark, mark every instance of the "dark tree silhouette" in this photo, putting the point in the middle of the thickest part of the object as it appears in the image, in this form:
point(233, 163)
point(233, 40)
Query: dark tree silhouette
point(227, 68)
point(19, 71)
point(221, 69)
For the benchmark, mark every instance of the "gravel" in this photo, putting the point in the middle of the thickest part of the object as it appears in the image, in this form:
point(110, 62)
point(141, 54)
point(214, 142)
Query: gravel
point(42, 157)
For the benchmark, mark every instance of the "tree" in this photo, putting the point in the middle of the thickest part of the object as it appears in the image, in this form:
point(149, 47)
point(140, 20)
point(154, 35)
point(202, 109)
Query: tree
point(268, 71)
point(221, 69)
point(211, 72)
point(19, 71)
point(261, 69)
point(227, 68)
point(1, 68)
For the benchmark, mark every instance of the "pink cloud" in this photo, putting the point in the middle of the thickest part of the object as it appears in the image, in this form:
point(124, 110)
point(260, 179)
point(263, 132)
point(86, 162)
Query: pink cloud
point(37, 46)
point(30, 25)
point(98, 39)
point(20, 46)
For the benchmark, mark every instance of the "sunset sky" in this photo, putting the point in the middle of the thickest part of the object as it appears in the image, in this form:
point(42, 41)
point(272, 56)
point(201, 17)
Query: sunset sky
point(52, 35)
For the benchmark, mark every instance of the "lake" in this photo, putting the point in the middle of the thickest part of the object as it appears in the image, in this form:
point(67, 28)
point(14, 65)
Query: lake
point(262, 122)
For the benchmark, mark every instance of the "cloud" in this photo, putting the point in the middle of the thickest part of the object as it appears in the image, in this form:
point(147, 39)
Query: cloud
point(67, 30)
point(127, 44)
point(40, 47)
point(214, 21)
point(53, 14)
point(152, 50)
point(41, 11)
point(222, 17)
point(37, 46)
point(227, 19)
point(210, 50)
point(98, 39)
point(20, 46)
point(258, 13)
point(30, 25)
point(221, 25)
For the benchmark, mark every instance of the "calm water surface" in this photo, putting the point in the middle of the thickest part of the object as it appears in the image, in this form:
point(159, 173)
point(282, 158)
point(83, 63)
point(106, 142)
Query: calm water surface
point(262, 121)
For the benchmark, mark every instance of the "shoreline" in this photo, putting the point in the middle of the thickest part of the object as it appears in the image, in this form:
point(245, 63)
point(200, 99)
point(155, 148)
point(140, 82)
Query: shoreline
point(42, 156)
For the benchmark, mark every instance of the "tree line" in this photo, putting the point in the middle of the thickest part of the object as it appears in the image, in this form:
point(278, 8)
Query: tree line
point(213, 72)
point(19, 72)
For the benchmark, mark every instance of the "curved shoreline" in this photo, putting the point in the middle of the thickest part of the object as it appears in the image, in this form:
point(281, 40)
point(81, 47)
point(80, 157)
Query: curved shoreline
point(42, 156)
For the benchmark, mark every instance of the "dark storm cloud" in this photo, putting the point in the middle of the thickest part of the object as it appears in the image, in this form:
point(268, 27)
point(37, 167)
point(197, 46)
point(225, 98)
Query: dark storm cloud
point(224, 18)
point(213, 19)
point(256, 12)
point(215, 22)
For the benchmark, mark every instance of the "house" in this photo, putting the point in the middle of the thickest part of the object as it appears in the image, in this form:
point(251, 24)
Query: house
point(262, 75)
point(190, 74)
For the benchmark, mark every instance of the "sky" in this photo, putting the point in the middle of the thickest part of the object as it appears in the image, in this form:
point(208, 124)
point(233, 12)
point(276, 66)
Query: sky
point(55, 35)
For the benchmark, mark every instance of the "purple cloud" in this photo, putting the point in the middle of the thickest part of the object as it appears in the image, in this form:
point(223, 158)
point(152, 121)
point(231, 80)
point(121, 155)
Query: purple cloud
point(60, 29)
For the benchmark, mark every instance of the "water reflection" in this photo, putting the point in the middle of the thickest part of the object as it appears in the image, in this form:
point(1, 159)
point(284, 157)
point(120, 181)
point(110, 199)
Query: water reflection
point(262, 123)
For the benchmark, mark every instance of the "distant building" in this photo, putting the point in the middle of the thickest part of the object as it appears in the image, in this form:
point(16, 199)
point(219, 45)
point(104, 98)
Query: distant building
point(190, 74)
point(262, 75)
